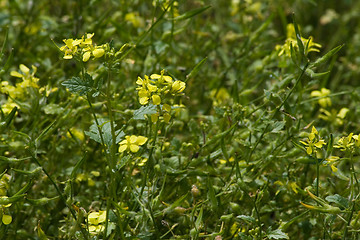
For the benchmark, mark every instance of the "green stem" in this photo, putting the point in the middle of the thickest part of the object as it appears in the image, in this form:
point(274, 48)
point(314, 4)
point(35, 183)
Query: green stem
point(150, 162)
point(278, 109)
point(317, 176)
point(62, 197)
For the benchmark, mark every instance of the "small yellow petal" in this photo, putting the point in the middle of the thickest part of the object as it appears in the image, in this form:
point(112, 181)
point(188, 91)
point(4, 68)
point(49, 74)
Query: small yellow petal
point(24, 69)
point(16, 74)
point(156, 99)
point(6, 219)
point(132, 139)
point(309, 150)
point(141, 140)
point(86, 56)
point(122, 148)
point(99, 52)
point(134, 148)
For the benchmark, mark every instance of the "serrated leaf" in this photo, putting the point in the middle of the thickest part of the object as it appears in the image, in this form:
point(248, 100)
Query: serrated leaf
point(277, 234)
point(246, 218)
point(339, 200)
point(278, 126)
point(52, 108)
point(140, 113)
point(77, 85)
point(105, 127)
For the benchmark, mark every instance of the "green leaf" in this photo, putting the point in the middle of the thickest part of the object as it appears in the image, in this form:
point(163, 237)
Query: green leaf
point(326, 57)
point(277, 126)
point(53, 108)
point(330, 146)
point(339, 200)
point(246, 218)
point(199, 219)
point(211, 195)
point(41, 201)
point(277, 234)
point(105, 127)
point(77, 85)
point(8, 118)
point(33, 173)
point(298, 38)
point(140, 113)
point(77, 166)
point(191, 13)
point(196, 69)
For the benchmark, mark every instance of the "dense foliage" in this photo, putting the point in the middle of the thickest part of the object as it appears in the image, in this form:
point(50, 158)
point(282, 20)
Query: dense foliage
point(172, 119)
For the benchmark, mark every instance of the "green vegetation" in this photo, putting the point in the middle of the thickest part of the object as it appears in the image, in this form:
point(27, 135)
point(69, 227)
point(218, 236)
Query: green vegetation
point(172, 119)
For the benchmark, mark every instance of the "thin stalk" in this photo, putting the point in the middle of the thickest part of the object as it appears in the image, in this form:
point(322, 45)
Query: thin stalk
point(150, 156)
point(317, 176)
point(72, 211)
point(278, 109)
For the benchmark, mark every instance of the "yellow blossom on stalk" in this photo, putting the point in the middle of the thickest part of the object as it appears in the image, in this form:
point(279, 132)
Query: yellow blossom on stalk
point(313, 142)
point(6, 219)
point(347, 143)
point(323, 94)
point(70, 47)
point(309, 44)
point(84, 47)
point(333, 116)
point(332, 161)
point(132, 143)
point(96, 220)
point(156, 87)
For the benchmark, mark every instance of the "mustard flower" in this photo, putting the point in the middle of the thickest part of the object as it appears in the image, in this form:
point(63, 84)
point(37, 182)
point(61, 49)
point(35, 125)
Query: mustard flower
point(333, 116)
point(96, 220)
point(83, 46)
point(157, 87)
point(70, 47)
point(6, 219)
point(313, 142)
point(324, 100)
point(27, 76)
point(347, 143)
point(310, 45)
point(132, 143)
point(333, 161)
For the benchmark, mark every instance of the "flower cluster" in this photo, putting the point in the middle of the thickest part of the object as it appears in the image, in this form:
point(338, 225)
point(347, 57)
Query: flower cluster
point(330, 115)
point(313, 142)
point(156, 89)
point(96, 222)
point(20, 90)
point(291, 42)
point(83, 47)
point(132, 143)
point(4, 185)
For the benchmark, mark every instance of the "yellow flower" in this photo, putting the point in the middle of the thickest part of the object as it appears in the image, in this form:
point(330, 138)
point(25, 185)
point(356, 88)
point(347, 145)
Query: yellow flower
point(313, 142)
point(132, 143)
point(178, 87)
point(309, 44)
point(332, 161)
point(6, 219)
point(324, 100)
point(96, 220)
point(346, 143)
point(156, 99)
point(333, 116)
point(70, 47)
